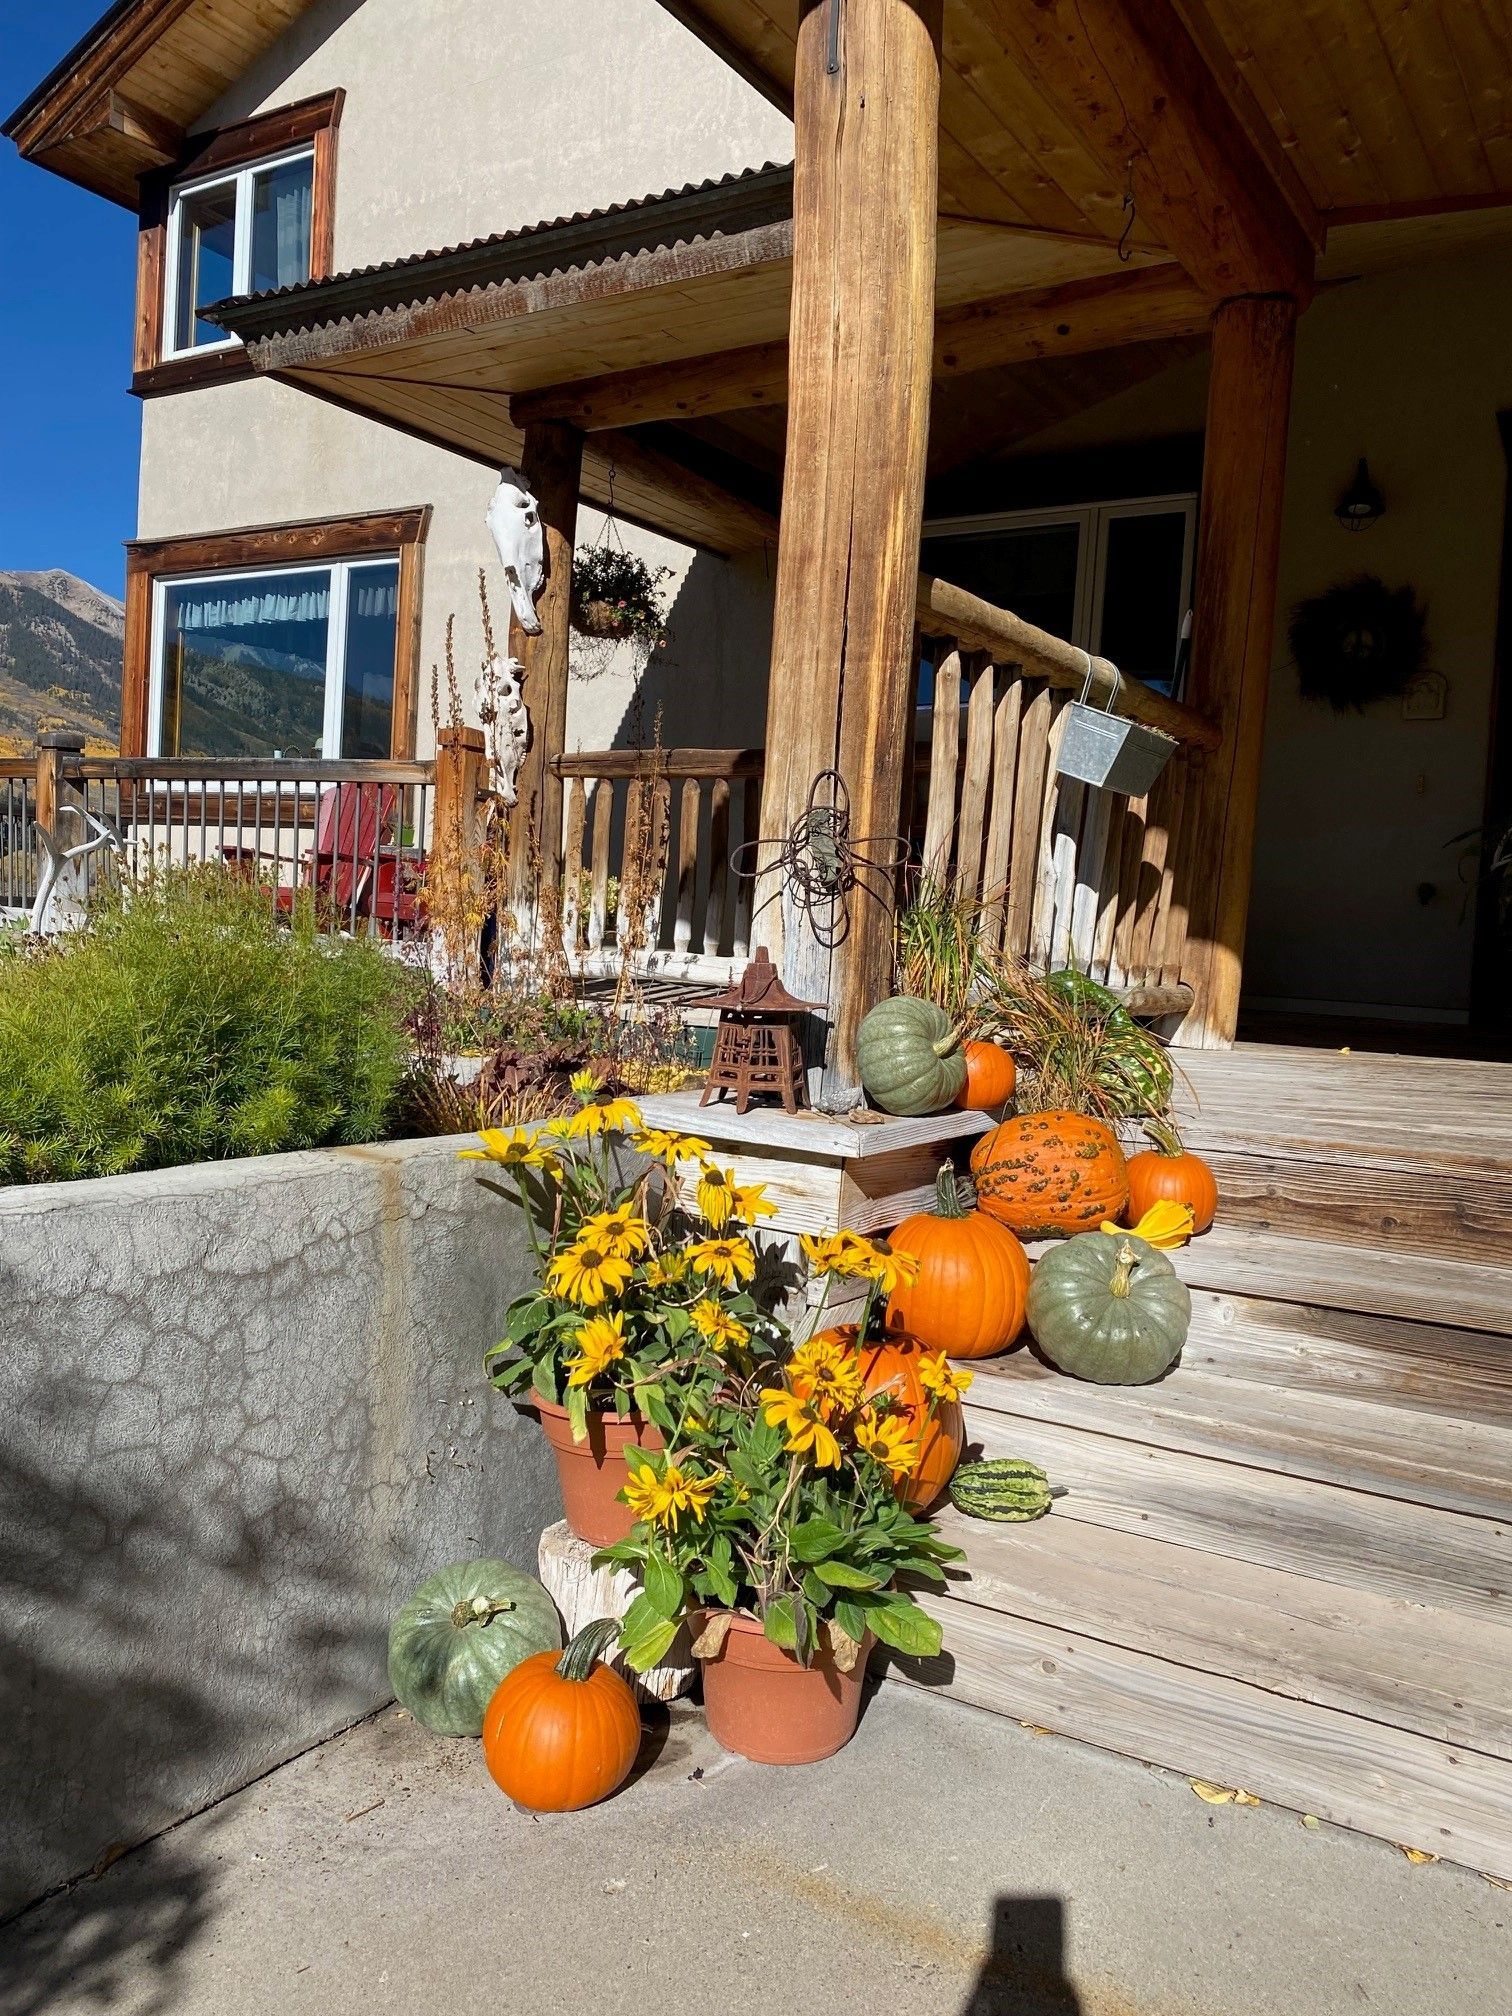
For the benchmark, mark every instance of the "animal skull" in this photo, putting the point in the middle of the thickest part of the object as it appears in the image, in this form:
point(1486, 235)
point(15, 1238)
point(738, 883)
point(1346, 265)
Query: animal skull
point(514, 519)
point(504, 721)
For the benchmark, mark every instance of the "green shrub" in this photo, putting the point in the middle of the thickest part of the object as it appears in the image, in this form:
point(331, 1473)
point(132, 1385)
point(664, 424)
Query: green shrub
point(187, 1025)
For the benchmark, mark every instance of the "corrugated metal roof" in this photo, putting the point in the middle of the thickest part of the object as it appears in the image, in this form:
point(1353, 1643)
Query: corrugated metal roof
point(719, 206)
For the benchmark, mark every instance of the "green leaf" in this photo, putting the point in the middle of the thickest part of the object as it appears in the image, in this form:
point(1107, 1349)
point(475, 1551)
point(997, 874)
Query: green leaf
point(841, 1575)
point(814, 1589)
point(719, 1573)
point(622, 1554)
point(853, 1620)
point(780, 1623)
point(527, 1316)
point(905, 1627)
point(816, 1539)
point(576, 1404)
point(647, 1649)
point(666, 1590)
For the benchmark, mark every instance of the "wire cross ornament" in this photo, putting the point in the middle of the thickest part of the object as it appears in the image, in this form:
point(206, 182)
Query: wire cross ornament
point(823, 864)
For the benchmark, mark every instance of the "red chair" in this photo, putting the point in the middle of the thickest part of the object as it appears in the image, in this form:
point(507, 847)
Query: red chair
point(354, 824)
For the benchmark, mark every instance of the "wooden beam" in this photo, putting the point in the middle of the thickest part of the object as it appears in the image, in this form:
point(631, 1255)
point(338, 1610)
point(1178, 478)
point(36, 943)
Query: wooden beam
point(156, 139)
point(551, 467)
point(945, 610)
point(1132, 76)
point(861, 337)
point(1151, 303)
point(1238, 551)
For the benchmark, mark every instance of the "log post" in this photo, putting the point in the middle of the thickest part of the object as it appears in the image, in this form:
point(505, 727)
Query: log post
point(866, 116)
point(58, 751)
point(551, 467)
point(1238, 550)
point(454, 896)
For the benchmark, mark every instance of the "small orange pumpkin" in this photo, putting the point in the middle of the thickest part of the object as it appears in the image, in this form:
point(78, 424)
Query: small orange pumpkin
point(1172, 1174)
point(562, 1729)
point(891, 1365)
point(1050, 1175)
point(973, 1285)
point(991, 1075)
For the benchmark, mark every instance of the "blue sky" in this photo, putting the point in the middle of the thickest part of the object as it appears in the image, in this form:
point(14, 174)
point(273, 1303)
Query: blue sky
point(68, 426)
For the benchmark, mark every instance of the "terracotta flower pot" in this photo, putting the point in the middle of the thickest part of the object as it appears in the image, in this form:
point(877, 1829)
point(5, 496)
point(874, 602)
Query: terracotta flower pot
point(762, 1704)
point(593, 1473)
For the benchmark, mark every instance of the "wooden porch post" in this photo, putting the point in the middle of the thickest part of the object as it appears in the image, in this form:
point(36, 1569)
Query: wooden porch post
point(551, 467)
point(1238, 548)
point(866, 114)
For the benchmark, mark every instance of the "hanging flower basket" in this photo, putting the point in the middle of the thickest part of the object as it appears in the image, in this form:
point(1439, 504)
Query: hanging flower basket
point(616, 595)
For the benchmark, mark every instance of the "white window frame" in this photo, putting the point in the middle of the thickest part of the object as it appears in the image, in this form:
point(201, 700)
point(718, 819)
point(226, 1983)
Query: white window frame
point(241, 254)
point(1092, 546)
point(340, 572)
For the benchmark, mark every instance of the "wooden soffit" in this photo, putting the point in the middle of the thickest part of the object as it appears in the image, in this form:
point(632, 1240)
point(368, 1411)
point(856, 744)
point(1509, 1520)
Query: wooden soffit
point(122, 99)
point(1243, 127)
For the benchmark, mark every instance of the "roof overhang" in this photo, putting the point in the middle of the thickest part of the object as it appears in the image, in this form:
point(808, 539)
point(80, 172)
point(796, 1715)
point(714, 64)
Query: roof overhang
point(122, 99)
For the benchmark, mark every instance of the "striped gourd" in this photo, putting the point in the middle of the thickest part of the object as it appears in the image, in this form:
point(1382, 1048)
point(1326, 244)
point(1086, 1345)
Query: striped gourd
point(1005, 1488)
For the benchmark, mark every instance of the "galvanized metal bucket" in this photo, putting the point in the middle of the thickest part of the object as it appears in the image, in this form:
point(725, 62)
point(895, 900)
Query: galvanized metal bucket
point(1103, 749)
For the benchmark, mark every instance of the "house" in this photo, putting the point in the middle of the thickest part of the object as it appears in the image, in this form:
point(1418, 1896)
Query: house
point(1067, 323)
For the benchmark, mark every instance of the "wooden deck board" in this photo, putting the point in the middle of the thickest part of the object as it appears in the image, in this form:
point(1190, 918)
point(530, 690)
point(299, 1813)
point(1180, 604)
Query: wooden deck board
point(1388, 1782)
point(1415, 1552)
point(1429, 1670)
point(1461, 1466)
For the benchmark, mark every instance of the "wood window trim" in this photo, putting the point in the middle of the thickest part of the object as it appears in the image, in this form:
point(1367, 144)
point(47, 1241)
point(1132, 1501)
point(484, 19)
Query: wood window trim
point(317, 120)
point(147, 560)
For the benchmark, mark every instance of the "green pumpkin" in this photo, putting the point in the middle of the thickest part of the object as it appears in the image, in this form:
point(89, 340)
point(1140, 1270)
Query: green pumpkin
point(910, 1056)
point(1006, 1488)
point(1107, 1307)
point(457, 1637)
point(1088, 996)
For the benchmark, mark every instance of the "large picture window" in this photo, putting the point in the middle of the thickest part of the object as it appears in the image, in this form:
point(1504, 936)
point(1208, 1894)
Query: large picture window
point(286, 641)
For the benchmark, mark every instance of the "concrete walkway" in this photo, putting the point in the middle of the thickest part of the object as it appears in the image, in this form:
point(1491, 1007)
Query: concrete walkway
point(948, 1864)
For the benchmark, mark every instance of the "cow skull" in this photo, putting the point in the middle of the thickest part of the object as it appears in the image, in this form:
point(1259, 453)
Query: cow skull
point(504, 721)
point(514, 519)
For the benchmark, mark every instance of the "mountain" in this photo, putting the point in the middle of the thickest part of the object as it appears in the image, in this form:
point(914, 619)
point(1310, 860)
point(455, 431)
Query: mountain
point(60, 658)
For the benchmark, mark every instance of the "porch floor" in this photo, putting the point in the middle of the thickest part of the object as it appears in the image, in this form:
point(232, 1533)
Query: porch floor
point(947, 1862)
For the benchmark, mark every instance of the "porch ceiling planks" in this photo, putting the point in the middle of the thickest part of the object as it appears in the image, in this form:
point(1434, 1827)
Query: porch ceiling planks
point(1339, 103)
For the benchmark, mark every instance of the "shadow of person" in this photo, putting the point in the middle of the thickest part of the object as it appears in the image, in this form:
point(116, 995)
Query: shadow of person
point(1024, 1973)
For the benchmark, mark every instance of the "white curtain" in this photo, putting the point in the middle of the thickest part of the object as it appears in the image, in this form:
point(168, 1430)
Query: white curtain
point(291, 210)
point(231, 608)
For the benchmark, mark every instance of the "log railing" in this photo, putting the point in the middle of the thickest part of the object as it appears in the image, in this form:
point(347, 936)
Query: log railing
point(646, 859)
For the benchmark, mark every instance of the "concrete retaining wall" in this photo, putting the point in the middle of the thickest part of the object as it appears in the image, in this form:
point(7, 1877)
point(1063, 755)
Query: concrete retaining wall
point(242, 1413)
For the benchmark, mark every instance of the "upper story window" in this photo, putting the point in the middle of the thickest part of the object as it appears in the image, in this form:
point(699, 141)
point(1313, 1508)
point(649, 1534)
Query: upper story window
point(245, 233)
point(246, 209)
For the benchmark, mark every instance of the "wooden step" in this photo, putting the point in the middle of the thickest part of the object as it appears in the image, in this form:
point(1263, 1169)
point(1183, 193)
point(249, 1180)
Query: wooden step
point(1359, 1773)
point(1448, 1215)
point(1418, 1667)
point(1414, 1553)
point(1383, 1281)
point(1362, 1445)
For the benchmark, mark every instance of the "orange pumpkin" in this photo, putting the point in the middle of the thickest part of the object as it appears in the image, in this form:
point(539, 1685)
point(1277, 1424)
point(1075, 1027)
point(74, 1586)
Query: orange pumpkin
point(1172, 1174)
point(1049, 1175)
point(562, 1730)
point(973, 1284)
point(891, 1365)
point(991, 1075)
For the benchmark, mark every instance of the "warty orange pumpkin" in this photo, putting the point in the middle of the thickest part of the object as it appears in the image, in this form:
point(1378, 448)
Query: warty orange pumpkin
point(973, 1284)
point(1050, 1175)
point(562, 1729)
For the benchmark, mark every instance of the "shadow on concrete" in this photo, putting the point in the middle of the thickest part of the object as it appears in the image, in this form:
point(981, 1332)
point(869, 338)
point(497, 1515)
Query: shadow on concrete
point(131, 1689)
point(1024, 1973)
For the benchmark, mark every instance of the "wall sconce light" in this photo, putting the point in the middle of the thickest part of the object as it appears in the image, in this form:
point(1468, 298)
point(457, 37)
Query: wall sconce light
point(1362, 503)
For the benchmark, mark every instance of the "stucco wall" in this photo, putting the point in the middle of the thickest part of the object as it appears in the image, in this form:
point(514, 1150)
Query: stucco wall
point(462, 118)
point(1409, 368)
point(242, 1415)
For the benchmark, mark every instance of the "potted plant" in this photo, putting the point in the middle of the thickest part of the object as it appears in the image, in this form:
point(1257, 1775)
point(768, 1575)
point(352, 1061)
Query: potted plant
point(619, 1342)
point(779, 1521)
point(616, 595)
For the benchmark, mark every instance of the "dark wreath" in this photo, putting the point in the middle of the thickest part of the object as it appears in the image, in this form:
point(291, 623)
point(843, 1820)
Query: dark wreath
point(1358, 641)
point(822, 864)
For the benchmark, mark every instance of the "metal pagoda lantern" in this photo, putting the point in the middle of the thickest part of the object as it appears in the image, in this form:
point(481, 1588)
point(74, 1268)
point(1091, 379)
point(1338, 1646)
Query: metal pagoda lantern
point(757, 1050)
